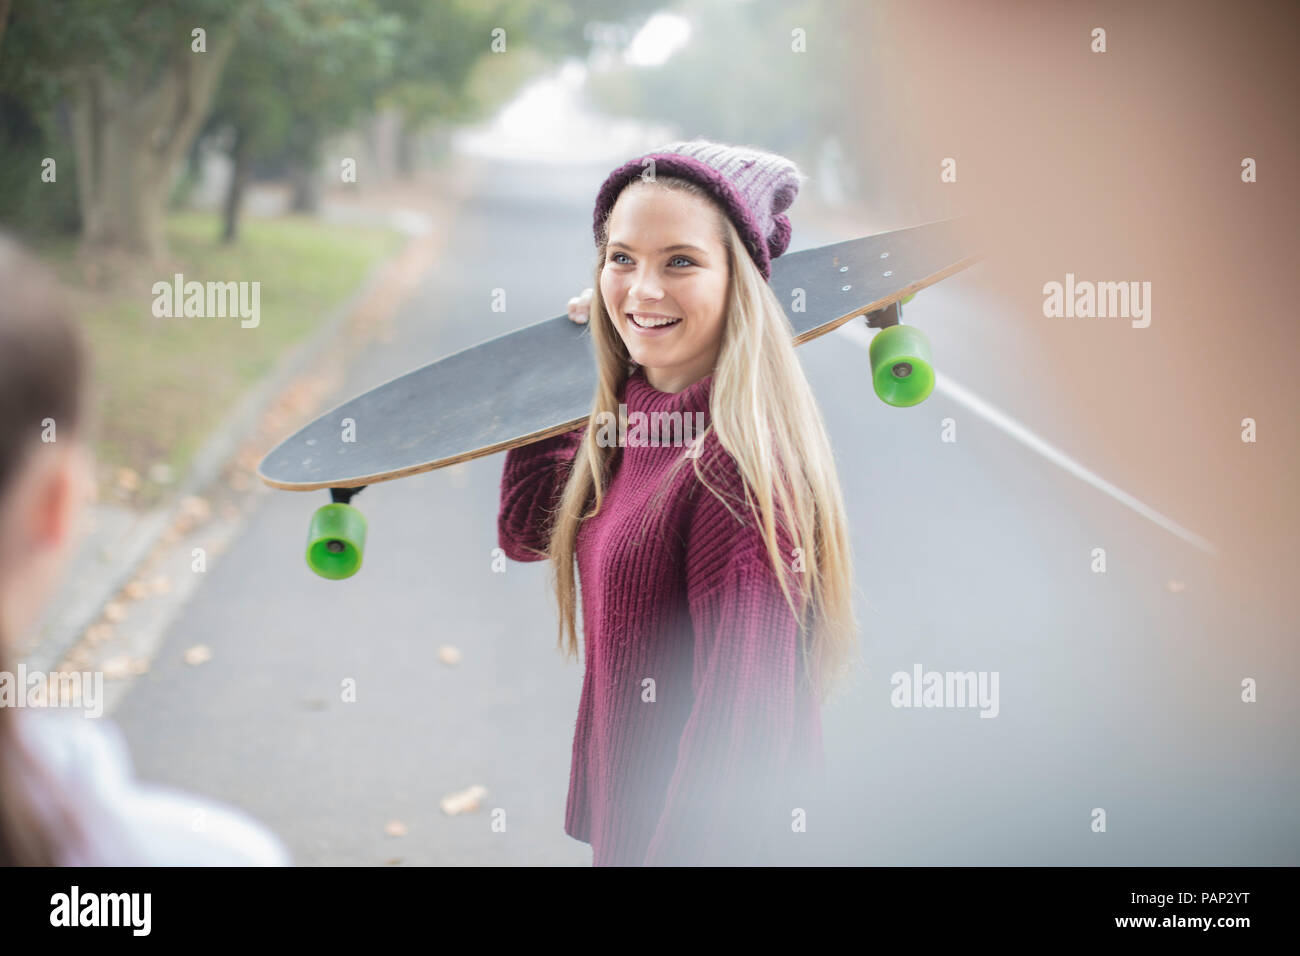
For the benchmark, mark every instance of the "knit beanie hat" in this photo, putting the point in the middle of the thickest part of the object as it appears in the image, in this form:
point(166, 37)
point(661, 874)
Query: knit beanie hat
point(753, 187)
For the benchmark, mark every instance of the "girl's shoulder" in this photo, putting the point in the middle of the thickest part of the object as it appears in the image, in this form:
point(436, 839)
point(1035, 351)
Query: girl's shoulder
point(127, 822)
point(73, 748)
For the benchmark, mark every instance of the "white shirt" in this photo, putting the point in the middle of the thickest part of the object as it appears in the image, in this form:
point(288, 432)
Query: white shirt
point(128, 822)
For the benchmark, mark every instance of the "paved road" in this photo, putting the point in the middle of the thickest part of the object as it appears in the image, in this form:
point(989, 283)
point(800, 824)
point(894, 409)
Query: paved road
point(1116, 691)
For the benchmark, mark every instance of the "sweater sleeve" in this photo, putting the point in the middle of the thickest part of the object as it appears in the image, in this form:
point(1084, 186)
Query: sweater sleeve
point(741, 742)
point(531, 483)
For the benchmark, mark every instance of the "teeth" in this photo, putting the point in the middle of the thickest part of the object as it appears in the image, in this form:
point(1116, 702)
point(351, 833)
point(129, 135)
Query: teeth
point(652, 323)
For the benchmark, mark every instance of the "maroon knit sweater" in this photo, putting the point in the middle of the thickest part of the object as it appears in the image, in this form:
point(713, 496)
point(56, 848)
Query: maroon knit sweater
point(697, 738)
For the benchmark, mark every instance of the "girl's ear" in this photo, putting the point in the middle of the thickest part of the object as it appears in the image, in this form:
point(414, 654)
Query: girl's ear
point(61, 487)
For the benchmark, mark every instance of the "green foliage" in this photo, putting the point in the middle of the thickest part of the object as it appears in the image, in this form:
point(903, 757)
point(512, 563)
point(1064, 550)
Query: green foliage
point(446, 68)
point(48, 45)
point(303, 69)
point(50, 49)
point(300, 71)
point(29, 205)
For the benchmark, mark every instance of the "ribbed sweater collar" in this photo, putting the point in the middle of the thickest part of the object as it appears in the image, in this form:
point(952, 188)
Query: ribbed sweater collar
point(641, 396)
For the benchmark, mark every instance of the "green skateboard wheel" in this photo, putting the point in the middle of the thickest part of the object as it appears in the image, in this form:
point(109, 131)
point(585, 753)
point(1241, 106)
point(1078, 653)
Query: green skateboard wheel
point(335, 541)
point(900, 366)
point(908, 298)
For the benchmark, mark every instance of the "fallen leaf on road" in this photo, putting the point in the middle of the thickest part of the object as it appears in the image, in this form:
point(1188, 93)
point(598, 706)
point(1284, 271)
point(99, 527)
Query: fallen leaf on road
point(198, 654)
point(128, 479)
point(115, 668)
point(98, 633)
point(395, 828)
point(196, 507)
point(114, 611)
point(463, 801)
point(448, 654)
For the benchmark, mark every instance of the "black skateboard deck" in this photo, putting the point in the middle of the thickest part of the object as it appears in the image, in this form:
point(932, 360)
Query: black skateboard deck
point(539, 381)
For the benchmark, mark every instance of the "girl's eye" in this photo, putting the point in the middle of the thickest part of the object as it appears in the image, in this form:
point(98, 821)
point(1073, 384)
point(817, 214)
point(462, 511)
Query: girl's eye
point(614, 258)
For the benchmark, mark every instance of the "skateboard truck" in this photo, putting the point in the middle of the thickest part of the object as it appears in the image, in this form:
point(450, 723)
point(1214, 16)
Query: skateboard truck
point(345, 495)
point(884, 318)
point(900, 357)
point(336, 539)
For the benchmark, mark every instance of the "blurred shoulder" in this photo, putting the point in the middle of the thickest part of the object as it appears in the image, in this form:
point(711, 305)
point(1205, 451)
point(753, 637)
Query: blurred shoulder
point(74, 748)
point(128, 822)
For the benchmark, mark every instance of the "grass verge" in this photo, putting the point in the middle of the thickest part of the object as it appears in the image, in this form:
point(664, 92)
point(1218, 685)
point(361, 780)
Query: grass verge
point(161, 384)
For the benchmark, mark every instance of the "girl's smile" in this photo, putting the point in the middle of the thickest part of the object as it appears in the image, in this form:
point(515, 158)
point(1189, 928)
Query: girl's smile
point(652, 323)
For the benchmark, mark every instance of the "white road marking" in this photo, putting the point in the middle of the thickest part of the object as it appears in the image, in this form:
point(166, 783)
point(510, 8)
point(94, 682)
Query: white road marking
point(858, 331)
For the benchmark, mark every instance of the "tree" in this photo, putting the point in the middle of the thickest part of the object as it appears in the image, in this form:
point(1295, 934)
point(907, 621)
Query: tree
point(446, 69)
point(138, 79)
point(307, 69)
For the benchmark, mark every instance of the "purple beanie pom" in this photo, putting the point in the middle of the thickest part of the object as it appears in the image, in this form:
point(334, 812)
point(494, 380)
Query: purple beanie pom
point(779, 241)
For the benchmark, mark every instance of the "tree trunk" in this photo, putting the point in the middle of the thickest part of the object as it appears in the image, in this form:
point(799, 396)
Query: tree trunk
point(128, 141)
point(235, 191)
point(306, 191)
point(305, 143)
point(406, 144)
point(4, 19)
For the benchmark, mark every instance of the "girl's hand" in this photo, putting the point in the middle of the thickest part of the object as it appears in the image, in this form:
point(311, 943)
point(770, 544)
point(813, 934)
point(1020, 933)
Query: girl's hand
point(580, 307)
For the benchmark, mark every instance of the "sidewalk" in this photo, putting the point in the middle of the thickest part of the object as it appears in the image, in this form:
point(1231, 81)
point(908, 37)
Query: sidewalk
point(118, 590)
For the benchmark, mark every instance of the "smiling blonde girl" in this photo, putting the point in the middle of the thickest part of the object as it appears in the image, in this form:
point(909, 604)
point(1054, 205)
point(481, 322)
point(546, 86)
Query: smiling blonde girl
point(715, 576)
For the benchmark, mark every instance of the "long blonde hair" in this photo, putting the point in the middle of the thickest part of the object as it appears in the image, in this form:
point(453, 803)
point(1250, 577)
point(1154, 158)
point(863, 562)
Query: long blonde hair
point(764, 415)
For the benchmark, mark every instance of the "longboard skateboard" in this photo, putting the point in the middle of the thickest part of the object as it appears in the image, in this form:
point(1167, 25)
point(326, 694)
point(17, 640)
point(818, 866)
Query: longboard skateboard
point(539, 381)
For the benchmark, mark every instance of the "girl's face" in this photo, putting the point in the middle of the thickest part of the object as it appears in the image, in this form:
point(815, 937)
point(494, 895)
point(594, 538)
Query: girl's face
point(664, 260)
